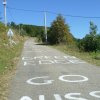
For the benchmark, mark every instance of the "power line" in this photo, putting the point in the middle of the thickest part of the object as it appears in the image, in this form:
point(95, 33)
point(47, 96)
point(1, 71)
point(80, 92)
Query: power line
point(25, 9)
point(93, 17)
point(67, 15)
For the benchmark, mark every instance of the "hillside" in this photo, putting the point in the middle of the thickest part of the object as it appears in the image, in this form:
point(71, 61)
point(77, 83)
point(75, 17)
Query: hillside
point(9, 54)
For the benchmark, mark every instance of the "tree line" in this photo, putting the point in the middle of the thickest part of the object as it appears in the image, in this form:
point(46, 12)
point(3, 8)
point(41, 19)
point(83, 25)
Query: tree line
point(59, 33)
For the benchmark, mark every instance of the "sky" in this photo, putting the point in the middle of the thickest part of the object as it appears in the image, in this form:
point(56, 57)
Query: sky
point(79, 26)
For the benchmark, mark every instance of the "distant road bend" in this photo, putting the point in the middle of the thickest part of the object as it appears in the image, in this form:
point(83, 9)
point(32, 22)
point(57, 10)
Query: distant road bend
point(44, 73)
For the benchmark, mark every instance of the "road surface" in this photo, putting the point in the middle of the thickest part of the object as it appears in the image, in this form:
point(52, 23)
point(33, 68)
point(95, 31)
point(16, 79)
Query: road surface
point(44, 73)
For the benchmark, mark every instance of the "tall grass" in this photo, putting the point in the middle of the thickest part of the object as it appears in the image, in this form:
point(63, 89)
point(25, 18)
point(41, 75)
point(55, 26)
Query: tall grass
point(9, 55)
point(91, 57)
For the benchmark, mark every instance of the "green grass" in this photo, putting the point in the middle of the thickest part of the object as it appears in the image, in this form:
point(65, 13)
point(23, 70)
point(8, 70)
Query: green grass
point(8, 60)
point(9, 56)
point(8, 52)
point(92, 57)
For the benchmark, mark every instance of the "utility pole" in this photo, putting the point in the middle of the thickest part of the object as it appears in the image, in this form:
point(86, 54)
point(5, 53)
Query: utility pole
point(45, 26)
point(5, 17)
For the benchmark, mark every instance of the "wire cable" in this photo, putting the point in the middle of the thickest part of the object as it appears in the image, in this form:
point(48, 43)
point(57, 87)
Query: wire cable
point(25, 9)
point(74, 15)
point(67, 15)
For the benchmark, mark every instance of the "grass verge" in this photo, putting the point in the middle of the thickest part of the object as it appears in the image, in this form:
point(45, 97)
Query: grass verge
point(9, 57)
point(92, 57)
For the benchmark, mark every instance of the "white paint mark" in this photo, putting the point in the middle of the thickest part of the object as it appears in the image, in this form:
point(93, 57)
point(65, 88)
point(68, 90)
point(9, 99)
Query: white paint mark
point(57, 97)
point(94, 94)
point(53, 60)
point(22, 58)
point(25, 63)
point(73, 81)
point(59, 57)
point(29, 63)
point(61, 62)
point(42, 57)
point(73, 57)
point(75, 61)
point(69, 96)
point(38, 57)
point(46, 62)
point(27, 58)
point(25, 98)
point(46, 82)
point(41, 97)
point(47, 57)
point(70, 57)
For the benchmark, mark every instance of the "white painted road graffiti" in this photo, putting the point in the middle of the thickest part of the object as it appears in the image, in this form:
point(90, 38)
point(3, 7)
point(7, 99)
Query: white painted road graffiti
point(61, 78)
point(68, 96)
point(46, 74)
point(51, 60)
point(73, 81)
point(46, 82)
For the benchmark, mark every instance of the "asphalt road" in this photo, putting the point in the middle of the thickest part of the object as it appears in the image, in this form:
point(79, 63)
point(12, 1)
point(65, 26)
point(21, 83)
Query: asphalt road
point(44, 73)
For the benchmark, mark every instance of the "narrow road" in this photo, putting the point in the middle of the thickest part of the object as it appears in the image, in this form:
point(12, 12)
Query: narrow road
point(44, 73)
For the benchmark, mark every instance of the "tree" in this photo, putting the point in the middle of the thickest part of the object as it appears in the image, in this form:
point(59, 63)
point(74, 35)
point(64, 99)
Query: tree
point(91, 42)
point(59, 32)
point(32, 30)
point(13, 24)
point(93, 29)
point(98, 41)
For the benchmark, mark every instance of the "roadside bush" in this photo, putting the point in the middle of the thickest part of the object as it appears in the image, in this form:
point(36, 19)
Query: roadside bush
point(91, 42)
